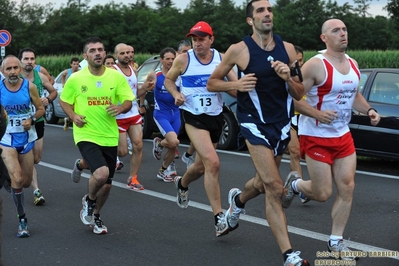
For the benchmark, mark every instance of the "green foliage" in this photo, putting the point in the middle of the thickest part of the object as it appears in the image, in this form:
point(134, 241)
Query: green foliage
point(368, 58)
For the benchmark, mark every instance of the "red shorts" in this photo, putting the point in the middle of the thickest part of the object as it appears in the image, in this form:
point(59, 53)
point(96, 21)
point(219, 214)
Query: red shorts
point(327, 149)
point(125, 123)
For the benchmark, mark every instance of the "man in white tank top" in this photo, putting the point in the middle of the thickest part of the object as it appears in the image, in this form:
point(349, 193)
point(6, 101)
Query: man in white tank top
point(331, 82)
point(130, 122)
point(202, 115)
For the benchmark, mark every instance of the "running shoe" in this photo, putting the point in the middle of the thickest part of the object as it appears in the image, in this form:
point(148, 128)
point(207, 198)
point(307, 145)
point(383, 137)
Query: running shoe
point(182, 195)
point(119, 165)
point(134, 183)
point(76, 173)
point(233, 212)
point(165, 176)
point(172, 169)
point(293, 259)
point(221, 227)
point(66, 123)
point(38, 198)
point(177, 156)
point(340, 249)
point(187, 160)
point(23, 228)
point(157, 149)
point(289, 193)
point(86, 214)
point(99, 228)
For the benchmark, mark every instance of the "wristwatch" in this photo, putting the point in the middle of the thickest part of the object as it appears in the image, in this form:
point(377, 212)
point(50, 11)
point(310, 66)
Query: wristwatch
point(33, 120)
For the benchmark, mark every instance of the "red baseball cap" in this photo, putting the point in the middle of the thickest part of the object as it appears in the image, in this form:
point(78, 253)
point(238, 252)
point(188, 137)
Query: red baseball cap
point(201, 29)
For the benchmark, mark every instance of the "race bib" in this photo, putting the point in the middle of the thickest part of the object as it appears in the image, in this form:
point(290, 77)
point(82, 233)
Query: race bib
point(15, 123)
point(205, 102)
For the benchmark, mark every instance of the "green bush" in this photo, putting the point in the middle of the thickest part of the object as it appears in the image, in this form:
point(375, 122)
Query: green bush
point(365, 58)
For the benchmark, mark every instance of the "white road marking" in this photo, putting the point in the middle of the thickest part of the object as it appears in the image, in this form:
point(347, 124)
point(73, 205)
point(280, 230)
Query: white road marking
point(248, 218)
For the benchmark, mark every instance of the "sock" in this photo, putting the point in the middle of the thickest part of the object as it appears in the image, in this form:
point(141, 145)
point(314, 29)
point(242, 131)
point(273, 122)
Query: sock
point(335, 239)
point(91, 202)
point(163, 168)
point(293, 184)
point(179, 185)
point(37, 191)
point(238, 202)
point(77, 165)
point(285, 254)
point(217, 217)
point(96, 216)
point(188, 155)
point(20, 217)
point(18, 196)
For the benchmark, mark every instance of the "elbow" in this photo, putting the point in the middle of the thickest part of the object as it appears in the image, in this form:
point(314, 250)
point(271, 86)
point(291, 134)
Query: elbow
point(210, 86)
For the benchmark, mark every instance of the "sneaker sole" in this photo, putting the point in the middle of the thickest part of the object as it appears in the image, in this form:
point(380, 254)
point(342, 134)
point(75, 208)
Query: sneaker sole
point(23, 235)
point(286, 184)
point(154, 146)
point(75, 179)
point(182, 206)
point(40, 201)
point(232, 194)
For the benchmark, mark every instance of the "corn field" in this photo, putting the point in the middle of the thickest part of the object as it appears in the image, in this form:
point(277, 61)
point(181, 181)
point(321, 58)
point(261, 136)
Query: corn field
point(366, 59)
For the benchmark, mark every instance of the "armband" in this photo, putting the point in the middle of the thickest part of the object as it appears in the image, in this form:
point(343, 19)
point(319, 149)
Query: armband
point(295, 70)
point(371, 108)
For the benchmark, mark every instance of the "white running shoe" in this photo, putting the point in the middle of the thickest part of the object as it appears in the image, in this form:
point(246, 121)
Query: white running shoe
point(157, 149)
point(187, 160)
point(233, 212)
point(182, 195)
point(76, 173)
point(99, 228)
point(172, 169)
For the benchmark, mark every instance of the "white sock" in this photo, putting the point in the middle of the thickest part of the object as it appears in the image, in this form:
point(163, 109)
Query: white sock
point(294, 185)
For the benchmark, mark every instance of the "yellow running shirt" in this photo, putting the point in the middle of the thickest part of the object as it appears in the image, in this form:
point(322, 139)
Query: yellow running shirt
point(90, 95)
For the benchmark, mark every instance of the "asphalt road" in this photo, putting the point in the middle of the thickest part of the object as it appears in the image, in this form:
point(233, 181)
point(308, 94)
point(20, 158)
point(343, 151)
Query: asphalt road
point(148, 228)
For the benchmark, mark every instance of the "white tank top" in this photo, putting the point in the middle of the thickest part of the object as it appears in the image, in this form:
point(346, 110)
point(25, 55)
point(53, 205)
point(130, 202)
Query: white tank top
point(337, 92)
point(198, 99)
point(132, 80)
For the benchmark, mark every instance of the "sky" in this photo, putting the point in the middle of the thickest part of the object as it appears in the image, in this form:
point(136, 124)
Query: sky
point(375, 6)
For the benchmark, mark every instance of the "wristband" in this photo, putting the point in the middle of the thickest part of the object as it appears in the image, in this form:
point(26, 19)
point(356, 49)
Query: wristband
point(49, 100)
point(141, 105)
point(371, 108)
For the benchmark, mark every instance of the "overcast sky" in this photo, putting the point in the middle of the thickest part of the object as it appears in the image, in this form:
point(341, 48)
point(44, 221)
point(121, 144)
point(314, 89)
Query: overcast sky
point(375, 6)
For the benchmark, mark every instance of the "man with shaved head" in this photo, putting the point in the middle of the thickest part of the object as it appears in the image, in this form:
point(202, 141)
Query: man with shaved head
point(130, 122)
point(331, 82)
point(17, 95)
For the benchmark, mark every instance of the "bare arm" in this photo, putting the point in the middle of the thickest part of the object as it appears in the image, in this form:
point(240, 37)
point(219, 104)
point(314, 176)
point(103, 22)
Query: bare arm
point(177, 68)
point(34, 95)
point(295, 86)
point(63, 77)
point(148, 85)
point(45, 72)
point(50, 88)
point(217, 82)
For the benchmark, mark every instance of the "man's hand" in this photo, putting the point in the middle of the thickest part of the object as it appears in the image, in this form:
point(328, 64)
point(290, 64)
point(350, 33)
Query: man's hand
point(113, 110)
point(247, 83)
point(326, 117)
point(283, 70)
point(179, 99)
point(374, 117)
point(78, 120)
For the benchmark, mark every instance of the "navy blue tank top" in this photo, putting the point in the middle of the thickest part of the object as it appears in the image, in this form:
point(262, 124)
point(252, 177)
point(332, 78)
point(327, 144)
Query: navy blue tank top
point(270, 102)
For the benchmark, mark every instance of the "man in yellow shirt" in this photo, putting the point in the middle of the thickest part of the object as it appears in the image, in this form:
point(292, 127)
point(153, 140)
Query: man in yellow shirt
point(90, 98)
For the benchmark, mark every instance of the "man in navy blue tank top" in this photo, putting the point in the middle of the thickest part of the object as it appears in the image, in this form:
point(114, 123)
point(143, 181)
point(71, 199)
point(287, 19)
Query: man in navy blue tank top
point(264, 110)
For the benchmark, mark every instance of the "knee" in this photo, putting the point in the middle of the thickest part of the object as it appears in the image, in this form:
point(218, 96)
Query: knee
point(101, 174)
point(174, 143)
point(37, 159)
point(137, 146)
point(273, 187)
point(122, 152)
